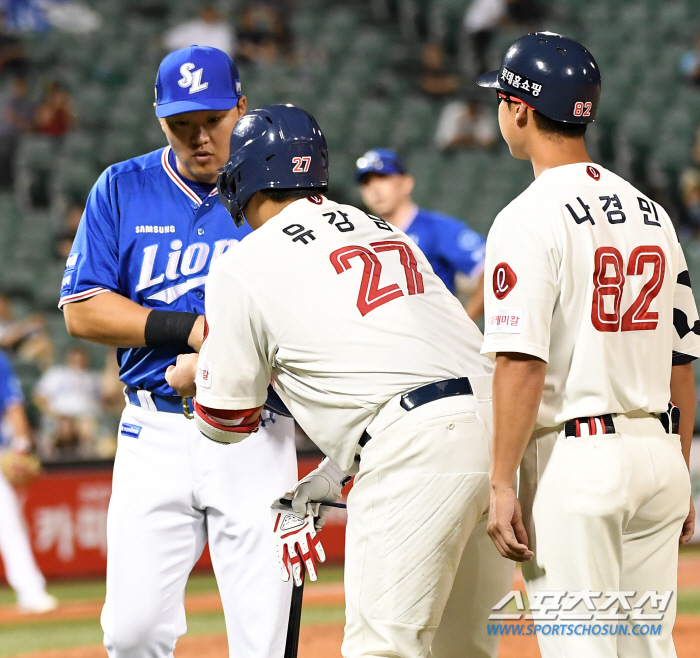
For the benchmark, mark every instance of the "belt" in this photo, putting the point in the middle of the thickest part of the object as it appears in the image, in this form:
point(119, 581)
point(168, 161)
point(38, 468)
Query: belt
point(153, 402)
point(428, 393)
point(573, 427)
point(670, 421)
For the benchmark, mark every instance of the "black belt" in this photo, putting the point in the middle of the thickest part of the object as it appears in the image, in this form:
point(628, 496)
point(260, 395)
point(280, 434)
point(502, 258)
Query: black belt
point(429, 393)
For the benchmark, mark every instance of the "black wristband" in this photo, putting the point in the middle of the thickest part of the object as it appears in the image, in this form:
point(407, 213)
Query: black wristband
point(167, 327)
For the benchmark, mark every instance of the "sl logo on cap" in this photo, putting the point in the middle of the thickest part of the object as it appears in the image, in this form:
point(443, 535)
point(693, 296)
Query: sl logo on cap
point(191, 79)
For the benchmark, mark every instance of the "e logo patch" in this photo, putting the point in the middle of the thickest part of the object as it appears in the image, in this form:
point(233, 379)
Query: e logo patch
point(504, 280)
point(593, 172)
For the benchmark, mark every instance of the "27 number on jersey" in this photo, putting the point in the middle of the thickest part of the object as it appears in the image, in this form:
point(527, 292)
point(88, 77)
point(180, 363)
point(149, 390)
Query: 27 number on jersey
point(371, 295)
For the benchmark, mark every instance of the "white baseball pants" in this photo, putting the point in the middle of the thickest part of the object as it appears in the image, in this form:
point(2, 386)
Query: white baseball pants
point(607, 514)
point(421, 492)
point(173, 489)
point(21, 570)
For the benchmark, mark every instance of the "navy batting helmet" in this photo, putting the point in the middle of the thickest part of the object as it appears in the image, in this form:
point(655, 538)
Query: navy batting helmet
point(552, 74)
point(278, 147)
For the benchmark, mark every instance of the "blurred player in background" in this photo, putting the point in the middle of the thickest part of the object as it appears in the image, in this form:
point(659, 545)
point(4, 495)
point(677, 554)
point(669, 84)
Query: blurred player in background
point(135, 280)
point(21, 570)
point(450, 246)
point(591, 320)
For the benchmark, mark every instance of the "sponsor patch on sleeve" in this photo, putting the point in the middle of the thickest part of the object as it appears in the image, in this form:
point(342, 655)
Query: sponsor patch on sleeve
point(504, 280)
point(504, 321)
point(128, 429)
point(203, 377)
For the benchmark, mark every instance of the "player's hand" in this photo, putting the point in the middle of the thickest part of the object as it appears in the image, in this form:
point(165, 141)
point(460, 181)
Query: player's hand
point(181, 375)
point(505, 525)
point(296, 541)
point(197, 334)
point(317, 487)
point(688, 525)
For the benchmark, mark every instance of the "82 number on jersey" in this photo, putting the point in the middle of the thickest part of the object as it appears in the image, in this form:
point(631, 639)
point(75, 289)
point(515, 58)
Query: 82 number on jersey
point(609, 281)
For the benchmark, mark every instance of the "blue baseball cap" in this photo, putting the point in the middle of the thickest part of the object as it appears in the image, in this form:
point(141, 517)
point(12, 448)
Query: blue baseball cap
point(379, 161)
point(196, 78)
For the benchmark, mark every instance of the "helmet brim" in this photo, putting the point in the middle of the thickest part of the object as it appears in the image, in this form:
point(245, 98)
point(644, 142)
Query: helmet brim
point(489, 80)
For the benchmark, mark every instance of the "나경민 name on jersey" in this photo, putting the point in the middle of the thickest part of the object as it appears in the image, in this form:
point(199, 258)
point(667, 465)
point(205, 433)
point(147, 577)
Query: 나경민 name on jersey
point(504, 321)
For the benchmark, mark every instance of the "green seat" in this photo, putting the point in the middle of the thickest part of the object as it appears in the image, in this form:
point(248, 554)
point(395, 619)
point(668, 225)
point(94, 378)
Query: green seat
point(47, 290)
point(91, 102)
point(75, 178)
point(371, 126)
point(36, 152)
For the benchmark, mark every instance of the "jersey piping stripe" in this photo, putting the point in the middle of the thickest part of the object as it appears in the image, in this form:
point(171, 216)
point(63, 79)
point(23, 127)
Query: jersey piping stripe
point(176, 179)
point(86, 294)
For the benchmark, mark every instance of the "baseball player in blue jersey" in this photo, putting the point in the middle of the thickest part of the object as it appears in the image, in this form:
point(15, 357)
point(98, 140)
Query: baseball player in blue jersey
point(21, 570)
point(135, 279)
point(449, 245)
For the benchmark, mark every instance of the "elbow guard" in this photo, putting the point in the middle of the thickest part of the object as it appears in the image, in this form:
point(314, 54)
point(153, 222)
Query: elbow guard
point(224, 425)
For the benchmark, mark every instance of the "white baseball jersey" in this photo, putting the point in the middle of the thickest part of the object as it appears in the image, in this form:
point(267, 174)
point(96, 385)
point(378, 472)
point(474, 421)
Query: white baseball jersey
point(586, 273)
point(341, 310)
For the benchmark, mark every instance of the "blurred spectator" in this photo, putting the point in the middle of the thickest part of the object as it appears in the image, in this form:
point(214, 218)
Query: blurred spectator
point(690, 194)
point(54, 116)
point(64, 239)
point(690, 63)
point(465, 124)
point(435, 78)
point(207, 30)
point(16, 114)
point(480, 22)
point(28, 338)
point(12, 56)
point(70, 398)
point(263, 35)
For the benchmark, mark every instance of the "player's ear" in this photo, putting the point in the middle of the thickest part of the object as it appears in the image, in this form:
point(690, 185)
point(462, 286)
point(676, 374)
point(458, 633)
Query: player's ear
point(521, 115)
point(163, 125)
point(410, 183)
point(242, 106)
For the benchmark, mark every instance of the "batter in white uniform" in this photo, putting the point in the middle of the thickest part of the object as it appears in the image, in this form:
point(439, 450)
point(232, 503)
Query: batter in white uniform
point(378, 363)
point(592, 323)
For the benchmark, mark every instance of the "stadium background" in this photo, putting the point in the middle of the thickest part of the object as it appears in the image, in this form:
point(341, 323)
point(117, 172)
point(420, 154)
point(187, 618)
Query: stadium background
point(354, 65)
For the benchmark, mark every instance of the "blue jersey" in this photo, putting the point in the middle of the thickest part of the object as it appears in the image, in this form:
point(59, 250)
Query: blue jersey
point(145, 234)
point(449, 245)
point(10, 391)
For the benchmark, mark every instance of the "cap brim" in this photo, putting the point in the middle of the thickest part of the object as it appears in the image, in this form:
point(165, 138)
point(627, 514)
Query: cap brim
point(180, 107)
point(489, 80)
point(387, 171)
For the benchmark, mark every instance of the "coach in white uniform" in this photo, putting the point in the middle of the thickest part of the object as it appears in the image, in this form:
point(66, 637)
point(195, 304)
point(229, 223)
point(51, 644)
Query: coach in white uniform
point(592, 322)
point(342, 311)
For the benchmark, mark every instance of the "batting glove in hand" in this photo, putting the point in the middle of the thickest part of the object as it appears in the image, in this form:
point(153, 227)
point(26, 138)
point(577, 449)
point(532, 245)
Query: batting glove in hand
point(296, 541)
point(322, 485)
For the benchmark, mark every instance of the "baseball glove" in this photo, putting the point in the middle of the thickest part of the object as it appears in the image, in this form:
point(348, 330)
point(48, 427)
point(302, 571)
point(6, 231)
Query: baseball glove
point(20, 468)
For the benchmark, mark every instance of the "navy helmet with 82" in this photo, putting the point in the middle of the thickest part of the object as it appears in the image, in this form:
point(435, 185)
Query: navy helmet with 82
point(552, 74)
point(277, 147)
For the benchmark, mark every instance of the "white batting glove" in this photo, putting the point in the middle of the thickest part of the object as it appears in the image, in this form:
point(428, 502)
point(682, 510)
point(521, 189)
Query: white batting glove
point(322, 485)
point(296, 542)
